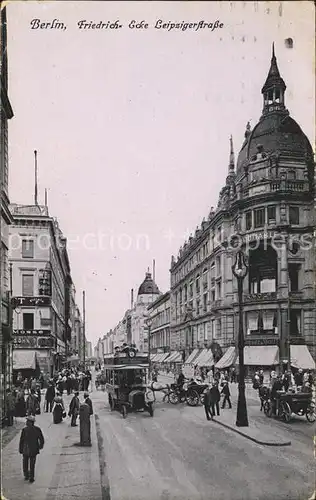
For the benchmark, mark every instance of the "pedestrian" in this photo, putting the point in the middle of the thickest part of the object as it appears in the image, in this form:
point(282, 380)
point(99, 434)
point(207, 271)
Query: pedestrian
point(207, 403)
point(74, 409)
point(59, 409)
point(286, 379)
point(256, 381)
point(214, 399)
point(85, 424)
point(31, 442)
point(261, 377)
point(32, 404)
point(10, 407)
point(68, 385)
point(233, 375)
point(298, 377)
point(226, 393)
point(20, 406)
point(49, 397)
point(38, 393)
point(88, 401)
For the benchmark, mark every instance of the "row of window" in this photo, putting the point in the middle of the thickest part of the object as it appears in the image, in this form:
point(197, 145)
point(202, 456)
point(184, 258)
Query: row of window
point(260, 322)
point(44, 284)
point(267, 215)
point(161, 318)
point(161, 339)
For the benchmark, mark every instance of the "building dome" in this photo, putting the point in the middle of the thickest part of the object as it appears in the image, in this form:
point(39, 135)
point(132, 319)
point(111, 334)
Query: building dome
point(276, 131)
point(148, 286)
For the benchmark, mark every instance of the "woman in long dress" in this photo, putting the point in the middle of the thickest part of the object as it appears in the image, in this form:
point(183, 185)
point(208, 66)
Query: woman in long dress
point(59, 409)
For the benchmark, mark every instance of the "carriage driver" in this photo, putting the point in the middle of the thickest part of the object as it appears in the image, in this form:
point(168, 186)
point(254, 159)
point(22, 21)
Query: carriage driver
point(277, 386)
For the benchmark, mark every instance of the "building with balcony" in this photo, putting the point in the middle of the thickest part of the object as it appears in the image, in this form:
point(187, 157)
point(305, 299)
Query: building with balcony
point(41, 290)
point(159, 312)
point(266, 209)
point(6, 114)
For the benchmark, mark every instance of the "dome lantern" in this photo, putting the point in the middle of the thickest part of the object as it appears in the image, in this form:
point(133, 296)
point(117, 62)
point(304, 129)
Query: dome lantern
point(274, 88)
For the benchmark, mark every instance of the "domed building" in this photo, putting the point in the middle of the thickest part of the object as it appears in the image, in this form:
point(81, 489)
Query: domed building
point(266, 207)
point(148, 292)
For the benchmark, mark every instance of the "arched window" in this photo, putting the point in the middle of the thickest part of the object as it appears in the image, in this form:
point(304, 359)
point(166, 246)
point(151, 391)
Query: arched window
point(262, 270)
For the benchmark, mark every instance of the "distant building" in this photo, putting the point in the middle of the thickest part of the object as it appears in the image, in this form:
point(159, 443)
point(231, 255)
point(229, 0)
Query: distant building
point(88, 349)
point(41, 290)
point(159, 312)
point(148, 292)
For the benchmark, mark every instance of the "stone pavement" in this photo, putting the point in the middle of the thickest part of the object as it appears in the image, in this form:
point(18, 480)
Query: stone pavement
point(259, 432)
point(63, 471)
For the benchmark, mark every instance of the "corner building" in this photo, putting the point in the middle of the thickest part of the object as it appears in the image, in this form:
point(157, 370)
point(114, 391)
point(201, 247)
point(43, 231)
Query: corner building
point(266, 207)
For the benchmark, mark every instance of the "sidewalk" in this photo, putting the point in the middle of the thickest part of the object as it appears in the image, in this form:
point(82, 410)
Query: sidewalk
point(63, 471)
point(258, 432)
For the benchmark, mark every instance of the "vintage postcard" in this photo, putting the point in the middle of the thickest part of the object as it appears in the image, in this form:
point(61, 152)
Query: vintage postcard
point(157, 250)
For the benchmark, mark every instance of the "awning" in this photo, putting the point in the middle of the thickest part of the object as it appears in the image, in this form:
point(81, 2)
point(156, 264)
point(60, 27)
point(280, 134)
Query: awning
point(192, 356)
point(227, 359)
point(255, 355)
point(24, 359)
point(164, 356)
point(174, 357)
point(200, 357)
point(153, 356)
point(159, 357)
point(301, 357)
point(207, 360)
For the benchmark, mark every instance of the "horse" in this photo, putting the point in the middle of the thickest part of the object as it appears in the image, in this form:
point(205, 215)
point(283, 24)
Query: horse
point(264, 395)
point(157, 387)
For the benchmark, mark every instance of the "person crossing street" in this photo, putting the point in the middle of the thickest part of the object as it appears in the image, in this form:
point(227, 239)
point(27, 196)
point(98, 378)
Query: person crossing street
point(225, 390)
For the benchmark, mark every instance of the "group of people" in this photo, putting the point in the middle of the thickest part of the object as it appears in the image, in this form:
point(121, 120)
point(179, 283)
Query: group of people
point(32, 439)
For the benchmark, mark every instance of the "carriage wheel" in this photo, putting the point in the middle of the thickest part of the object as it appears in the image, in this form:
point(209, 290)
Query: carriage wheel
point(193, 398)
point(267, 409)
point(124, 411)
point(285, 411)
point(310, 413)
point(174, 398)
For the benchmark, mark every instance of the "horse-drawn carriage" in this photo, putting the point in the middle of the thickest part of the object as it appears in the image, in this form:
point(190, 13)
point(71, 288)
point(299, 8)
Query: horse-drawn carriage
point(126, 383)
point(287, 403)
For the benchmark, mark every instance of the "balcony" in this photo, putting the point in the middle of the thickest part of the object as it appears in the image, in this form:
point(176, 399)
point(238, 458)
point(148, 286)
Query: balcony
point(260, 297)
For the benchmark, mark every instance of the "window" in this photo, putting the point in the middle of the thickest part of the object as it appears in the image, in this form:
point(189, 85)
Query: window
point(271, 214)
point(191, 288)
point(185, 293)
point(219, 233)
point(180, 295)
point(27, 285)
point(218, 265)
point(259, 217)
point(212, 295)
point(197, 284)
point(205, 280)
point(205, 302)
point(295, 322)
point(212, 328)
point(294, 215)
point(198, 307)
point(218, 290)
point(293, 276)
point(27, 249)
point(28, 321)
point(248, 220)
point(291, 175)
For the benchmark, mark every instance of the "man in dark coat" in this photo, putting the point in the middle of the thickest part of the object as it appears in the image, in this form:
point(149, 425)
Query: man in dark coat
point(32, 404)
point(215, 399)
point(31, 442)
point(74, 409)
point(226, 393)
point(207, 403)
point(49, 397)
point(88, 401)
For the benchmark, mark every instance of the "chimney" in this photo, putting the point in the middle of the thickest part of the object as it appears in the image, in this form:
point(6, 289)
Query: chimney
point(132, 298)
point(154, 270)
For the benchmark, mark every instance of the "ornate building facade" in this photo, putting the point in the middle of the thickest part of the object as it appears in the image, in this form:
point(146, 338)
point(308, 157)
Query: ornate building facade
point(41, 290)
point(266, 209)
point(159, 312)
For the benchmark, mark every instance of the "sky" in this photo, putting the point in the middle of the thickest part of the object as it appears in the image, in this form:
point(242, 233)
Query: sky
point(132, 126)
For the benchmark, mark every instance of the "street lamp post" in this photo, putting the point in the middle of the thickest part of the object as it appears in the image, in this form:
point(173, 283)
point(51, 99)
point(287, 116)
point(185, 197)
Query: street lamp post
point(149, 322)
point(240, 270)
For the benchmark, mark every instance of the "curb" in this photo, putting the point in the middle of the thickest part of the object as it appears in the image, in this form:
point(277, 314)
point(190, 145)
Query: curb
point(265, 443)
point(105, 485)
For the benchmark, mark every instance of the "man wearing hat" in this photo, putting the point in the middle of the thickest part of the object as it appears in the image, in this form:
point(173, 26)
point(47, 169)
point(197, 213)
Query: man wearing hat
point(31, 442)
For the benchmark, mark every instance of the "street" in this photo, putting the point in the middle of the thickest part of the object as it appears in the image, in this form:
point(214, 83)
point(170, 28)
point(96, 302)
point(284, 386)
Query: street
point(176, 455)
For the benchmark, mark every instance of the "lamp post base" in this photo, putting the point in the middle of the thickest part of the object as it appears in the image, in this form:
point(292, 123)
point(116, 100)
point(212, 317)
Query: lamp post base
point(242, 416)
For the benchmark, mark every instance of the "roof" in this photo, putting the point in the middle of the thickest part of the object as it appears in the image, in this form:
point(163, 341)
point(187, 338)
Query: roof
point(274, 77)
point(148, 286)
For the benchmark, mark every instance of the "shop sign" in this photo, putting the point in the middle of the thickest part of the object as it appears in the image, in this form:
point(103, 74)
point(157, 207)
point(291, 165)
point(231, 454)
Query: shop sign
point(32, 332)
point(25, 342)
point(261, 235)
point(30, 342)
point(262, 342)
point(31, 301)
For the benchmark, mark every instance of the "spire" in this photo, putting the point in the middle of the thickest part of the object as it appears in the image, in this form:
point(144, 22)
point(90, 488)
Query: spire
point(274, 79)
point(231, 156)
